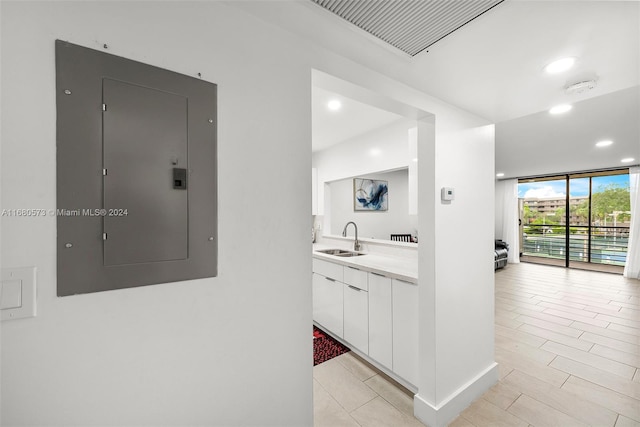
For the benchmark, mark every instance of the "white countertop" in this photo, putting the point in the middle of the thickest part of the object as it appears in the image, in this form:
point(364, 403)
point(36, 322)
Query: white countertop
point(388, 265)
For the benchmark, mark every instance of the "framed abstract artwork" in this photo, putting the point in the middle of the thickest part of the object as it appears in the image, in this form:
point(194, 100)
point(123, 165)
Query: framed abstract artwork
point(370, 195)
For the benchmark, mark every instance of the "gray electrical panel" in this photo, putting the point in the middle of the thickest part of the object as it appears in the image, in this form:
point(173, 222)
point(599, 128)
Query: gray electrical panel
point(136, 173)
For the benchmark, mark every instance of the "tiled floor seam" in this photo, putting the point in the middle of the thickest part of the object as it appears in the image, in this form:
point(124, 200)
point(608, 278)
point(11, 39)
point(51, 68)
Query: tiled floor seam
point(513, 403)
point(533, 398)
point(565, 381)
point(394, 406)
point(368, 401)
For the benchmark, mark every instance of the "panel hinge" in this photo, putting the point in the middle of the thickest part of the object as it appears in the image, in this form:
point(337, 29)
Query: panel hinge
point(104, 236)
point(104, 172)
point(104, 107)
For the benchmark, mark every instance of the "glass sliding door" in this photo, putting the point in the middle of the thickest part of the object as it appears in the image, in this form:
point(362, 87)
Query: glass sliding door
point(544, 232)
point(576, 220)
point(610, 219)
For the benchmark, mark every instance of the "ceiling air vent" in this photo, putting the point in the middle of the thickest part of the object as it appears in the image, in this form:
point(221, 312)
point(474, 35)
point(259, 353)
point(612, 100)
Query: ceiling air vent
point(409, 25)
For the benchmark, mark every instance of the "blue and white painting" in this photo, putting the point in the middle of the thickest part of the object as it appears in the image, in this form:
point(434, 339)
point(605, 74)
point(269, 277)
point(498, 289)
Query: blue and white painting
point(370, 195)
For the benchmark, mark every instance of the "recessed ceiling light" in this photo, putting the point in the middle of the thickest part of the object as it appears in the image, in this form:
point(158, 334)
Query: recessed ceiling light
point(375, 151)
point(559, 109)
point(415, 159)
point(500, 174)
point(627, 160)
point(605, 143)
point(560, 65)
point(334, 105)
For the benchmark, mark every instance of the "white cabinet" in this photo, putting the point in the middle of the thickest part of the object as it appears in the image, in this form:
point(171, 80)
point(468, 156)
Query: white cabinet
point(372, 313)
point(328, 269)
point(405, 330)
point(328, 303)
point(328, 300)
point(356, 278)
point(380, 320)
point(356, 317)
point(356, 308)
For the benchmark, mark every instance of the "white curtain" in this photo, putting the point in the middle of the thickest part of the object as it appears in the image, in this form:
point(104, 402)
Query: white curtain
point(632, 266)
point(510, 228)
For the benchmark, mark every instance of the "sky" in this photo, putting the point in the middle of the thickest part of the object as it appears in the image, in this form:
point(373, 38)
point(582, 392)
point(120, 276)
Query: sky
point(579, 187)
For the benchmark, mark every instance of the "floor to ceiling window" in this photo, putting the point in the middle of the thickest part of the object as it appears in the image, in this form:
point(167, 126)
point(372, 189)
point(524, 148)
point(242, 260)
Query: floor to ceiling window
point(576, 220)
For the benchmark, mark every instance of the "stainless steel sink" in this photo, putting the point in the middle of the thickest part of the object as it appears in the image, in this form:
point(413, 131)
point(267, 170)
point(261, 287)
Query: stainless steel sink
point(340, 252)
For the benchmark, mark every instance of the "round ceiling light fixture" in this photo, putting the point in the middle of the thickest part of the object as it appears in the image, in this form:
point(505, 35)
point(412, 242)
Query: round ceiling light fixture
point(604, 143)
point(560, 65)
point(627, 160)
point(334, 105)
point(580, 87)
point(559, 109)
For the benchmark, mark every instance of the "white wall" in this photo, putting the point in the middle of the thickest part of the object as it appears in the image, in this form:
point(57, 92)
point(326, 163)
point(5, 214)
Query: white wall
point(456, 287)
point(357, 157)
point(500, 189)
point(1, 235)
point(233, 350)
point(372, 224)
point(204, 352)
point(464, 160)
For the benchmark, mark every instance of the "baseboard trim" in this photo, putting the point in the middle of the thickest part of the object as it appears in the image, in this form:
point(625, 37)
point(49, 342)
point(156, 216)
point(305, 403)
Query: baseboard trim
point(442, 414)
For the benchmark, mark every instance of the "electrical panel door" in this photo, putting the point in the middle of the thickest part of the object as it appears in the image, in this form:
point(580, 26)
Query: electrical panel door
point(136, 172)
point(144, 141)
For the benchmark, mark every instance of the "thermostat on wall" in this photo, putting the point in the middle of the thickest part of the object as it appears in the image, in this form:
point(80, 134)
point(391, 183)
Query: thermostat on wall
point(447, 193)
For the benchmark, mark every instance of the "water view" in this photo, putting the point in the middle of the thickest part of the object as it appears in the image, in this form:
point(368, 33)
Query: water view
point(590, 225)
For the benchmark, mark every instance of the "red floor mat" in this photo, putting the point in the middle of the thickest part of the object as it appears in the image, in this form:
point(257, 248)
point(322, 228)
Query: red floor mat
point(325, 347)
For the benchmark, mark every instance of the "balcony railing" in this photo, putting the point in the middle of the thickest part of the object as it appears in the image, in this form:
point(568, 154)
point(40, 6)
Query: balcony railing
point(595, 244)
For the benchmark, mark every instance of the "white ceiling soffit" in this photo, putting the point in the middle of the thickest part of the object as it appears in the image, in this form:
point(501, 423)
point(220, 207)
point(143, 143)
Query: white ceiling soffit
point(409, 25)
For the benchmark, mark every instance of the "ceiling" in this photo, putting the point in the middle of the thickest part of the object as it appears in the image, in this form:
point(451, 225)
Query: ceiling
point(541, 144)
point(493, 67)
point(352, 119)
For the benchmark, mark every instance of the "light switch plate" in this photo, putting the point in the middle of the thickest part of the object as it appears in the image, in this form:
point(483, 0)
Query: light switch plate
point(11, 296)
point(18, 293)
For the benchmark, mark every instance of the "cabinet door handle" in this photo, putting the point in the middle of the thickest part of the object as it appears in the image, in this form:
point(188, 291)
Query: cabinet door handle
point(406, 281)
point(353, 268)
point(378, 274)
point(354, 288)
point(330, 279)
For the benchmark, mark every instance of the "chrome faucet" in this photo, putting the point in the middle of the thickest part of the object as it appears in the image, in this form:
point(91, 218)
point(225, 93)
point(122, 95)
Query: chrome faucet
point(356, 244)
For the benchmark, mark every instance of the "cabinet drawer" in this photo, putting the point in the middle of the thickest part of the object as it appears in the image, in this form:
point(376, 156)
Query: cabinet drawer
point(356, 318)
point(328, 269)
point(357, 278)
point(328, 304)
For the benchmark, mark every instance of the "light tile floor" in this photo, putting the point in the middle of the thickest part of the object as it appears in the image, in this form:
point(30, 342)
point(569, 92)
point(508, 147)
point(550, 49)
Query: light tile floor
point(568, 347)
point(349, 392)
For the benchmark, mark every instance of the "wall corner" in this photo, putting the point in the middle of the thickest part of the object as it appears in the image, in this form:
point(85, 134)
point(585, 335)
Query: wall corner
point(442, 414)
